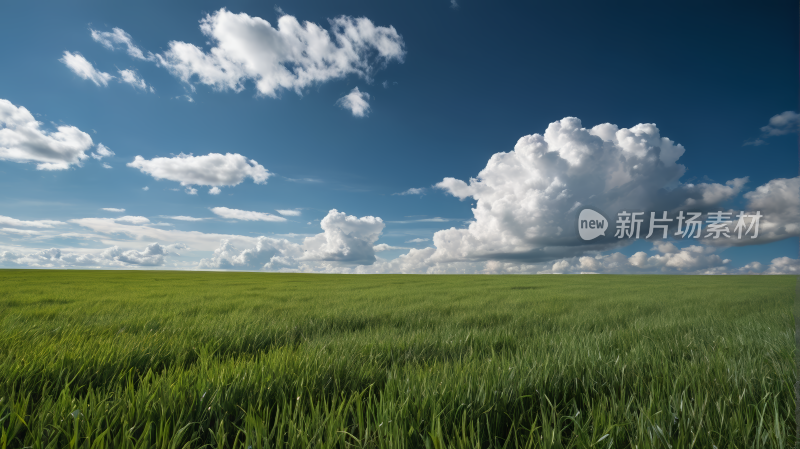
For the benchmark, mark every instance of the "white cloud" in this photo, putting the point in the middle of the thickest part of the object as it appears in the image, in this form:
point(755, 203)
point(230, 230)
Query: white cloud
point(145, 188)
point(85, 69)
point(134, 220)
point(384, 247)
point(289, 212)
point(214, 191)
point(153, 255)
point(130, 77)
point(344, 242)
point(345, 238)
point(119, 37)
point(786, 122)
point(101, 152)
point(291, 56)
point(779, 203)
point(105, 165)
point(21, 232)
point(191, 190)
point(246, 215)
point(418, 240)
point(528, 199)
point(198, 241)
point(22, 140)
point(8, 221)
point(267, 254)
point(113, 209)
point(355, 102)
point(184, 218)
point(412, 191)
point(214, 169)
point(784, 265)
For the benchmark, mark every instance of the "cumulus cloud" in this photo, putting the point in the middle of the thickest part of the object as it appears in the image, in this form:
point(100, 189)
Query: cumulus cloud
point(153, 255)
point(130, 77)
point(23, 140)
point(346, 241)
point(412, 191)
point(83, 68)
point(118, 37)
point(345, 238)
point(292, 56)
point(214, 191)
point(356, 102)
point(106, 165)
point(528, 199)
point(267, 254)
point(101, 152)
point(246, 215)
point(214, 169)
point(778, 204)
point(784, 265)
point(289, 212)
point(113, 209)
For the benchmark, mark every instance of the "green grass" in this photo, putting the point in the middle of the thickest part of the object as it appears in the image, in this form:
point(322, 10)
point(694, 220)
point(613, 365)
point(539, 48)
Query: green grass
point(94, 359)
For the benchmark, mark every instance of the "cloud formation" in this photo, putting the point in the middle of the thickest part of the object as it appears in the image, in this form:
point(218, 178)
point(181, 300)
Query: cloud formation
point(22, 140)
point(786, 122)
point(8, 221)
point(292, 56)
point(118, 37)
point(412, 191)
point(345, 238)
point(346, 241)
point(113, 209)
point(289, 212)
point(183, 218)
point(152, 256)
point(355, 102)
point(130, 77)
point(528, 199)
point(101, 152)
point(214, 169)
point(83, 68)
point(246, 215)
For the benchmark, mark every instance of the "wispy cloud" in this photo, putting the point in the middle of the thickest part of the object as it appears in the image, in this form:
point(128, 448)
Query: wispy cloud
point(412, 191)
point(246, 215)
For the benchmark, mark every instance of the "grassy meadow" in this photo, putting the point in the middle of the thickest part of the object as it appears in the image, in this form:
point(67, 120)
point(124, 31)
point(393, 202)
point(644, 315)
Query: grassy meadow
point(151, 359)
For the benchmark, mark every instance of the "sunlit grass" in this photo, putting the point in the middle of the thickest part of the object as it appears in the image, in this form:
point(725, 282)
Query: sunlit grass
point(249, 360)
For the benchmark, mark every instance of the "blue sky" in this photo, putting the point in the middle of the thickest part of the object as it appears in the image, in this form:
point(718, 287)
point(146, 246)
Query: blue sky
point(447, 87)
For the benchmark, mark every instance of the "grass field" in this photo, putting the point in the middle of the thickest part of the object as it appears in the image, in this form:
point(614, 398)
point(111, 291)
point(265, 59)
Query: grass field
point(122, 359)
